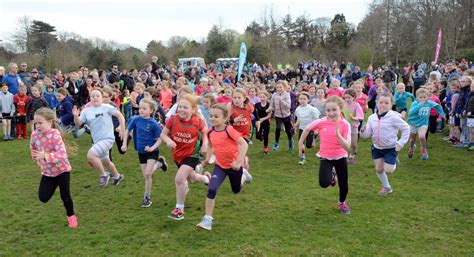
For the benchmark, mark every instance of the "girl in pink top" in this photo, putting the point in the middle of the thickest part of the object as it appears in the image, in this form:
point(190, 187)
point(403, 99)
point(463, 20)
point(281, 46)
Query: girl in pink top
point(166, 96)
point(49, 152)
point(434, 116)
point(354, 114)
point(335, 141)
point(335, 89)
point(361, 98)
point(227, 97)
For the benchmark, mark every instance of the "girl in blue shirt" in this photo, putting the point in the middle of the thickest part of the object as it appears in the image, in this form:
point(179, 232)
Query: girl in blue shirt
point(146, 139)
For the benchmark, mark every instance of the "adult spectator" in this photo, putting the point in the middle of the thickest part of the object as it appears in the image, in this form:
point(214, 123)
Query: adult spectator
point(128, 80)
point(24, 74)
point(114, 76)
point(12, 79)
point(2, 72)
point(72, 85)
point(34, 77)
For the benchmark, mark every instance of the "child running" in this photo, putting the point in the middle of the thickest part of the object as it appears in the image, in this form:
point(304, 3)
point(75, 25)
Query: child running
point(418, 119)
point(146, 139)
point(182, 134)
point(99, 119)
point(401, 97)
point(263, 122)
point(305, 114)
point(280, 105)
point(383, 128)
point(241, 116)
point(335, 141)
point(48, 150)
point(354, 114)
point(230, 148)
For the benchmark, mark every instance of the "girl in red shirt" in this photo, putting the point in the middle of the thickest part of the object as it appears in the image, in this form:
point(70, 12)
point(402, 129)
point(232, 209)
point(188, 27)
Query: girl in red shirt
point(230, 148)
point(241, 116)
point(182, 134)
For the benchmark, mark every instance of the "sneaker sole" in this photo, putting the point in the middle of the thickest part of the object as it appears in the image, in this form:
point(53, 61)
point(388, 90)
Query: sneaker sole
point(202, 227)
point(176, 218)
point(146, 206)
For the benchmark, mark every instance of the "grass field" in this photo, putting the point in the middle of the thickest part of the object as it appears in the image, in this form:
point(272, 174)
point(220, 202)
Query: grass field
point(283, 212)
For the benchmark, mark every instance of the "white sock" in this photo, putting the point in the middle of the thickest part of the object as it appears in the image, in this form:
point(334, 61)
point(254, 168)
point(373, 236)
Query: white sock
point(384, 179)
point(208, 217)
point(180, 206)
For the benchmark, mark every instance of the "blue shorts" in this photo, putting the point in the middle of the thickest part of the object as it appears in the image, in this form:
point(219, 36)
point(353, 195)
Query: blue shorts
point(389, 155)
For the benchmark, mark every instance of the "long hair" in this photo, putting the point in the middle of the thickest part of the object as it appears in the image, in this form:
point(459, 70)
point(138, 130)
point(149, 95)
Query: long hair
point(50, 115)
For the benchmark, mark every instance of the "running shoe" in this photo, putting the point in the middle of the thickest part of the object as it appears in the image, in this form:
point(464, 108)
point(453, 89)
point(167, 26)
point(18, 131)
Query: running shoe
point(248, 177)
point(302, 161)
point(104, 180)
point(116, 181)
point(344, 208)
point(424, 154)
point(206, 223)
point(385, 191)
point(176, 214)
point(291, 147)
point(146, 202)
point(72, 220)
point(275, 147)
point(265, 150)
point(164, 165)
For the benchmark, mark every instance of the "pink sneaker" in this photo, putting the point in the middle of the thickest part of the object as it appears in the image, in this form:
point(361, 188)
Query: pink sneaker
point(72, 221)
point(344, 208)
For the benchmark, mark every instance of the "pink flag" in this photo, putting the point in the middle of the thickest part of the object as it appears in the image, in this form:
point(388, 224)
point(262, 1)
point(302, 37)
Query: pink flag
point(438, 46)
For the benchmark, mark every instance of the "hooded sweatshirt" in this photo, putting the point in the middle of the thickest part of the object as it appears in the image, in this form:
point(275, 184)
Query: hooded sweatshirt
point(383, 129)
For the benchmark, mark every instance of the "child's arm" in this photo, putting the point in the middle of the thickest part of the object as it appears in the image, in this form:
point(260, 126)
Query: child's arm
point(76, 112)
point(57, 155)
point(243, 146)
point(208, 154)
point(405, 129)
point(205, 139)
point(121, 119)
point(165, 137)
point(439, 109)
point(125, 138)
point(366, 130)
point(345, 142)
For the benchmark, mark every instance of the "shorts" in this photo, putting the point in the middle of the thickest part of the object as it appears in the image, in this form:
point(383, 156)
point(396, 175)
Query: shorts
point(6, 116)
point(414, 130)
point(457, 121)
point(101, 148)
point(190, 161)
point(389, 155)
point(354, 130)
point(21, 119)
point(470, 122)
point(144, 157)
point(451, 120)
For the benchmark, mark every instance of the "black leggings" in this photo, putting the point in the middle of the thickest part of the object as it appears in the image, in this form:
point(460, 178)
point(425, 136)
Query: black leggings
point(309, 138)
point(287, 123)
point(48, 186)
point(325, 175)
point(263, 133)
point(432, 126)
point(218, 176)
point(119, 143)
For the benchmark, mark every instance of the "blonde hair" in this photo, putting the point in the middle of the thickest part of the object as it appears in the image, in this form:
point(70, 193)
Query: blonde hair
point(151, 104)
point(337, 100)
point(50, 115)
point(421, 91)
point(209, 96)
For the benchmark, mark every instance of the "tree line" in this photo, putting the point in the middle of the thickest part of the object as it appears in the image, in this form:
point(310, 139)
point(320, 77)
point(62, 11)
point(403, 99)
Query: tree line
point(392, 32)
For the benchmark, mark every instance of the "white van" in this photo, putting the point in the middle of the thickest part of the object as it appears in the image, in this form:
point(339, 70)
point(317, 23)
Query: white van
point(185, 63)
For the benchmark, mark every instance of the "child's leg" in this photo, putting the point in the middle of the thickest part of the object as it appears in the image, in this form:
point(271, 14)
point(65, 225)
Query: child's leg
point(279, 121)
point(354, 140)
point(342, 178)
point(288, 127)
point(46, 188)
point(24, 129)
point(325, 172)
point(147, 170)
point(9, 126)
point(107, 163)
point(252, 130)
point(19, 131)
point(181, 182)
point(266, 133)
point(421, 135)
point(218, 177)
point(4, 125)
point(195, 177)
point(64, 182)
point(381, 173)
point(98, 152)
point(118, 142)
point(309, 140)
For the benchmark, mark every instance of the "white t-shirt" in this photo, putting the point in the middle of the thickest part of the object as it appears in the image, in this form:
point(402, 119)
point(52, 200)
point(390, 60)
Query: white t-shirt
point(99, 120)
point(306, 115)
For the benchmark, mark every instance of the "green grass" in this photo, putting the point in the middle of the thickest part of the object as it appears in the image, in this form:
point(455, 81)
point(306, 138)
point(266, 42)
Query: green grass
point(283, 212)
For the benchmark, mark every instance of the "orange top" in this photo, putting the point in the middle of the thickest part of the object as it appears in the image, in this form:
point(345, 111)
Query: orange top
point(185, 133)
point(224, 145)
point(166, 99)
point(244, 125)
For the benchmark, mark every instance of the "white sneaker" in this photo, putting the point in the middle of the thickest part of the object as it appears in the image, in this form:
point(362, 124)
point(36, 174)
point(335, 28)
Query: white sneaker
point(206, 223)
point(248, 177)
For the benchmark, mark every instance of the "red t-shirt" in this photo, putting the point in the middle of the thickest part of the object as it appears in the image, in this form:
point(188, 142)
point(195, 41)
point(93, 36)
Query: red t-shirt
point(20, 104)
point(224, 146)
point(185, 133)
point(244, 125)
point(224, 99)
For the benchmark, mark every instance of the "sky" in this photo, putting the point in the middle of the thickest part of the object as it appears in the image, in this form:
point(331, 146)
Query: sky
point(137, 22)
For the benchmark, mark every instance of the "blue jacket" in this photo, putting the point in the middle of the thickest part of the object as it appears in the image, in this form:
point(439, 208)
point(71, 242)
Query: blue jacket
point(51, 99)
point(464, 93)
point(13, 82)
point(401, 100)
point(65, 111)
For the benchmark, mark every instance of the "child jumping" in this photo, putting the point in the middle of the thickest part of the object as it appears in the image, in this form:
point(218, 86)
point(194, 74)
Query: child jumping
point(48, 150)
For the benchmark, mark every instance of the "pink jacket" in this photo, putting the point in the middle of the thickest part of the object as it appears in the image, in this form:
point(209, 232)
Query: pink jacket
point(52, 143)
